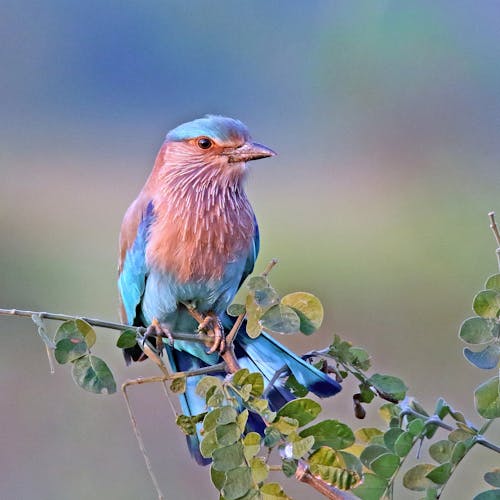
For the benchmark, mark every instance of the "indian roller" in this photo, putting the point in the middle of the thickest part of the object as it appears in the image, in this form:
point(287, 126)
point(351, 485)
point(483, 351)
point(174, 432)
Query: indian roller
point(191, 237)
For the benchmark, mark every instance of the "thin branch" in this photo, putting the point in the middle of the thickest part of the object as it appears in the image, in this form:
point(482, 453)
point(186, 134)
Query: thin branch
point(496, 233)
point(192, 337)
point(137, 432)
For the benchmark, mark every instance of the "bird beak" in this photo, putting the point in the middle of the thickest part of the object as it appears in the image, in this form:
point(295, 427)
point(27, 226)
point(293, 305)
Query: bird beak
point(249, 151)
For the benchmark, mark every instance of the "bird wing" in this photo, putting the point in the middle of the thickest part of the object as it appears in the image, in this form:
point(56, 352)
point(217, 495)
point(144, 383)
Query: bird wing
point(252, 254)
point(132, 266)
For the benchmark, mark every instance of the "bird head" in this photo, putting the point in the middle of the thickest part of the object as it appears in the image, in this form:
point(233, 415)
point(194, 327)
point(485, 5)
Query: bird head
point(215, 141)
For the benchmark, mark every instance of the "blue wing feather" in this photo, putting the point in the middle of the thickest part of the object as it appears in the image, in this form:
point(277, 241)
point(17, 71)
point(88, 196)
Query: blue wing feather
point(132, 280)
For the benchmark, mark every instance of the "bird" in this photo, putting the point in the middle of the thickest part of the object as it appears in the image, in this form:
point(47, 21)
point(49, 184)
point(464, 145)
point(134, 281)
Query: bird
point(191, 238)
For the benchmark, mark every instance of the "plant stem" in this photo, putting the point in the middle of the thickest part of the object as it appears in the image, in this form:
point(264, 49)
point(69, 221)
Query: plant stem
point(192, 337)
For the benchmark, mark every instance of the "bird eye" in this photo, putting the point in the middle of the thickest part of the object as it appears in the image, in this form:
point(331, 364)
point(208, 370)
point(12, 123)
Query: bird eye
point(204, 143)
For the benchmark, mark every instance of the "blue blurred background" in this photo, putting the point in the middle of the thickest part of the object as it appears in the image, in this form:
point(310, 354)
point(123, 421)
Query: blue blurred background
point(386, 119)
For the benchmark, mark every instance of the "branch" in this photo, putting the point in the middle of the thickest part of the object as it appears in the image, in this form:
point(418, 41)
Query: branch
point(192, 337)
point(496, 233)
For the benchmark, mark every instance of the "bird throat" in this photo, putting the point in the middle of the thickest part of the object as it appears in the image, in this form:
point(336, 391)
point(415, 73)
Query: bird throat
point(203, 222)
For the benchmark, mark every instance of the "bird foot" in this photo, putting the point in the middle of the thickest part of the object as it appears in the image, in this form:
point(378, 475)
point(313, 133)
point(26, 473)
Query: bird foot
point(159, 332)
point(212, 326)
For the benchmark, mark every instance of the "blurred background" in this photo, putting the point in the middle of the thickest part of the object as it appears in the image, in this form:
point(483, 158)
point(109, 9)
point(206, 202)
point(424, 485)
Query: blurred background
point(385, 116)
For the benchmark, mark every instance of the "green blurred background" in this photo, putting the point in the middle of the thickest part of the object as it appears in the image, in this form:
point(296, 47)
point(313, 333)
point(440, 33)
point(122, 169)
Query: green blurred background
point(386, 119)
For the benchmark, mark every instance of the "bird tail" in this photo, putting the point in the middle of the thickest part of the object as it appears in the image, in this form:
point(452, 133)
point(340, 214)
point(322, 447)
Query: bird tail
point(264, 355)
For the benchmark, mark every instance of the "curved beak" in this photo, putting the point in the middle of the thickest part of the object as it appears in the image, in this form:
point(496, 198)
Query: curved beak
point(249, 151)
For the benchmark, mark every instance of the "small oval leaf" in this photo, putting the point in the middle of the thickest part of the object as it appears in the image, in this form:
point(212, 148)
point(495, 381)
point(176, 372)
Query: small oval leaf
point(487, 398)
point(416, 479)
point(303, 410)
point(476, 330)
point(280, 319)
point(309, 309)
point(236, 309)
point(330, 433)
point(92, 374)
point(487, 359)
point(487, 303)
point(127, 339)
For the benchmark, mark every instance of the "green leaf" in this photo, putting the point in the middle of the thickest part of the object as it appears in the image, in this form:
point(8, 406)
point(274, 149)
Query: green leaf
point(327, 456)
point(303, 410)
point(92, 374)
point(238, 482)
point(440, 451)
point(214, 397)
point(308, 308)
point(206, 383)
point(73, 328)
point(128, 338)
point(372, 487)
point(440, 474)
point(228, 457)
point(242, 419)
point(458, 452)
point(476, 330)
point(360, 358)
point(257, 283)
point(188, 424)
point(69, 350)
point(227, 434)
point(385, 465)
point(289, 467)
point(330, 433)
point(365, 434)
point(459, 435)
point(236, 309)
point(493, 283)
point(257, 382)
point(280, 319)
point(302, 446)
point(254, 313)
point(266, 297)
point(219, 416)
point(415, 427)
point(493, 477)
point(285, 425)
point(209, 444)
point(487, 303)
point(388, 384)
point(370, 453)
point(178, 385)
point(273, 491)
point(391, 435)
point(218, 478)
point(488, 495)
point(239, 378)
point(487, 359)
point(366, 393)
point(416, 479)
point(272, 436)
point(251, 444)
point(260, 470)
point(487, 398)
point(298, 390)
point(352, 462)
point(403, 444)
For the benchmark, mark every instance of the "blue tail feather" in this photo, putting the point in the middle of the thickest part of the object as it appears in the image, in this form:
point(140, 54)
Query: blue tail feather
point(264, 355)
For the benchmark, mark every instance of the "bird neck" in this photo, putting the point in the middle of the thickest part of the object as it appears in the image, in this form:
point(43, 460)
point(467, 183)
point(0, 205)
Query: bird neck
point(203, 222)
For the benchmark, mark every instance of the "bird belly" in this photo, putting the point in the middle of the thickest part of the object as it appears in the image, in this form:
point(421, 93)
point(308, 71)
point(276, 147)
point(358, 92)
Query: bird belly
point(165, 295)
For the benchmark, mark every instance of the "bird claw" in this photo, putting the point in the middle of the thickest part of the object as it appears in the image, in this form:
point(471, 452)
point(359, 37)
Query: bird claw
point(159, 332)
point(212, 326)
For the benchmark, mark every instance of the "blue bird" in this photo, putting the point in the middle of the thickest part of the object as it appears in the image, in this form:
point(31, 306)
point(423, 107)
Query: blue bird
point(191, 237)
